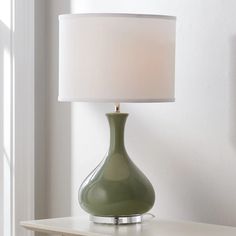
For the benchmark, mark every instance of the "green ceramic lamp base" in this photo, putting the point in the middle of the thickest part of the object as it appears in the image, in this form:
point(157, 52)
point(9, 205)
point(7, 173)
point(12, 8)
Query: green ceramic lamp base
point(116, 190)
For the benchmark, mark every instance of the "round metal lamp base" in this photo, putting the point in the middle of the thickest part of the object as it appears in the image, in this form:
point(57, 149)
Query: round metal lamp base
point(116, 220)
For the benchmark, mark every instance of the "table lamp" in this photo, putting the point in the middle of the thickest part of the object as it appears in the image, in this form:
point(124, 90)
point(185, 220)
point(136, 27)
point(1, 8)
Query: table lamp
point(116, 58)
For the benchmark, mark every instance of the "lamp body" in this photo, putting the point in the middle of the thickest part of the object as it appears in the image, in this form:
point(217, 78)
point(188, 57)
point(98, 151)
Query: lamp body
point(116, 187)
point(116, 58)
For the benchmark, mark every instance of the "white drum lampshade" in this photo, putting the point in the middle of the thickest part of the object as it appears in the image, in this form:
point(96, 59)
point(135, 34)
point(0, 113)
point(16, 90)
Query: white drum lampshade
point(116, 58)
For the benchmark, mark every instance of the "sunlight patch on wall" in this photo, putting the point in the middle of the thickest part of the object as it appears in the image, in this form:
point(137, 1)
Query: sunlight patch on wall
point(7, 141)
point(5, 12)
point(6, 118)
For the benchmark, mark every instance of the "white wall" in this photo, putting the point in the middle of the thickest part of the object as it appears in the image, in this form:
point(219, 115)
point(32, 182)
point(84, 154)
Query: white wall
point(186, 148)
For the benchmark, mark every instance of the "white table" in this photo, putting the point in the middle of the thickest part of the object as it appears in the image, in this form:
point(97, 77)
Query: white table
point(153, 227)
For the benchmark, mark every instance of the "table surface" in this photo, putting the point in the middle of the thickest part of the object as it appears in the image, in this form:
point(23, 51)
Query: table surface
point(150, 227)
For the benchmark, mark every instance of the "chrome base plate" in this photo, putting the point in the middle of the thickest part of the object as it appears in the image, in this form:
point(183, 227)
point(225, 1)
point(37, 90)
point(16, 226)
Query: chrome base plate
point(116, 220)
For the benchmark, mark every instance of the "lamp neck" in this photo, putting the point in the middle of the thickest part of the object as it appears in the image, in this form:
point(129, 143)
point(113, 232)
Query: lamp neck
point(117, 125)
point(117, 107)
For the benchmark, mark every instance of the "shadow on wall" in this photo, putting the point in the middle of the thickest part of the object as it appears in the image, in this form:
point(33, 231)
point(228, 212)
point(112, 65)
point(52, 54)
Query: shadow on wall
point(233, 90)
point(58, 121)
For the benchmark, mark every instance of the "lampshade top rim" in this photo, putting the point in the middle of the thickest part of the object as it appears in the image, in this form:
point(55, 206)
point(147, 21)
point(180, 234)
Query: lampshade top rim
point(70, 16)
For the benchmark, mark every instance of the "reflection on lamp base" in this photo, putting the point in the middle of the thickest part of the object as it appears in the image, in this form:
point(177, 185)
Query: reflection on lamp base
point(116, 220)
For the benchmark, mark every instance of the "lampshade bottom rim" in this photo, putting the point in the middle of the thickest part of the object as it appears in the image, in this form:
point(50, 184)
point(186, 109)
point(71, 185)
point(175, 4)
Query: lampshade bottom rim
point(115, 100)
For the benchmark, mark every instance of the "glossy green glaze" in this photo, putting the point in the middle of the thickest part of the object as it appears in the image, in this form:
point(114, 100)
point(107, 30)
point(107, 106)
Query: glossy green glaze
point(116, 187)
